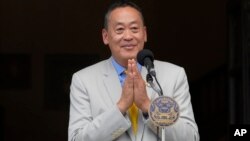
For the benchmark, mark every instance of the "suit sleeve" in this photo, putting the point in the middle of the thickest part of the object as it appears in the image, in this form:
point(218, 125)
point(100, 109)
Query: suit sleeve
point(82, 125)
point(185, 128)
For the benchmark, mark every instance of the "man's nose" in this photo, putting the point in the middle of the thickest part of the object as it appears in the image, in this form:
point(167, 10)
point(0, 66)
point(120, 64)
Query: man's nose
point(128, 35)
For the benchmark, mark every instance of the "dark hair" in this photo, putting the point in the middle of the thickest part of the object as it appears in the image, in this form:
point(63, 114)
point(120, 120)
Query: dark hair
point(119, 4)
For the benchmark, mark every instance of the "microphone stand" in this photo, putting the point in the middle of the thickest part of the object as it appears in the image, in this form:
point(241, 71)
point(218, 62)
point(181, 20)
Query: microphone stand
point(158, 89)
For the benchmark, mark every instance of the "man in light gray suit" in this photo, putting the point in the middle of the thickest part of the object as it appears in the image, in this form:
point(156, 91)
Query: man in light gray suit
point(102, 94)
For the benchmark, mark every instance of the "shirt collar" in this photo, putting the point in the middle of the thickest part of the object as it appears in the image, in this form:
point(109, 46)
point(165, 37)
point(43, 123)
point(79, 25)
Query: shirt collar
point(120, 69)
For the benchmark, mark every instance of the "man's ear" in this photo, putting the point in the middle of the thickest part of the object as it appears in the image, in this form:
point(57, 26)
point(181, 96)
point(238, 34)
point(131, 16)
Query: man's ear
point(145, 34)
point(105, 36)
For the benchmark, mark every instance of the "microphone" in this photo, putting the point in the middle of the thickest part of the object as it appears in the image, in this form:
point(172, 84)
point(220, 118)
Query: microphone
point(145, 57)
point(163, 110)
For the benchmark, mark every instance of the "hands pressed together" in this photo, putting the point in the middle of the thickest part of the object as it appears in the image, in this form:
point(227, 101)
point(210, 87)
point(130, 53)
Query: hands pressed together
point(134, 90)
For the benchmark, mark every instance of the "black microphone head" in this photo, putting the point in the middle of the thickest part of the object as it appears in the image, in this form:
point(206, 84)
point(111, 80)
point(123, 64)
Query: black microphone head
point(143, 54)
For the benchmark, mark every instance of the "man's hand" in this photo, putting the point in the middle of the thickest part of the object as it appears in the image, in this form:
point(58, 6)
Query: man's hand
point(140, 94)
point(127, 96)
point(134, 90)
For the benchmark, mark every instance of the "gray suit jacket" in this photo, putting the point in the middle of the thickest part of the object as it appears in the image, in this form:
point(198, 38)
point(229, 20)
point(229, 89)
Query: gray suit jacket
point(94, 115)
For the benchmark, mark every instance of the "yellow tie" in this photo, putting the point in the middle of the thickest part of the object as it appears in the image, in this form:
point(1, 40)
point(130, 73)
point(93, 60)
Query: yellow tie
point(133, 112)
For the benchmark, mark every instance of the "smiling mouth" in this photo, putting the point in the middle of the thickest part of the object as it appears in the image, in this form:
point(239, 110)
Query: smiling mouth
point(128, 46)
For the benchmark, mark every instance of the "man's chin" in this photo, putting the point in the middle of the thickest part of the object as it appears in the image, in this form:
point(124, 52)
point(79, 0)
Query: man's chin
point(130, 55)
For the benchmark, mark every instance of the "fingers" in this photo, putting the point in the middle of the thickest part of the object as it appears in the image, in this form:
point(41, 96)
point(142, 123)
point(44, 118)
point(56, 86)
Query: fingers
point(129, 79)
point(134, 89)
point(133, 68)
point(129, 69)
point(127, 96)
point(139, 88)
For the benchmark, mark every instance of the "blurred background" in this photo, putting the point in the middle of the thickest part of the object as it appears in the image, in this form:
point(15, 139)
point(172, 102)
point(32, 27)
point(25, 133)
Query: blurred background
point(44, 41)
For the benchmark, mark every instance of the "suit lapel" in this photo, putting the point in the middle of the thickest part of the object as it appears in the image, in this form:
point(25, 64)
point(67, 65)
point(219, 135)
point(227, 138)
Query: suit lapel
point(111, 82)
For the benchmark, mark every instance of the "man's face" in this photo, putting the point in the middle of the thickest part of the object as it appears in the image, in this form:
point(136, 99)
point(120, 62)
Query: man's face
point(125, 35)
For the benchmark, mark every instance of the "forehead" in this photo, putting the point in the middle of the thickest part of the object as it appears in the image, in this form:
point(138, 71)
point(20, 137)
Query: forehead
point(125, 15)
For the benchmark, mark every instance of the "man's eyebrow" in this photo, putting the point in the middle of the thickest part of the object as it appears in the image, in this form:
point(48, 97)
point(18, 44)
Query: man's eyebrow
point(118, 23)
